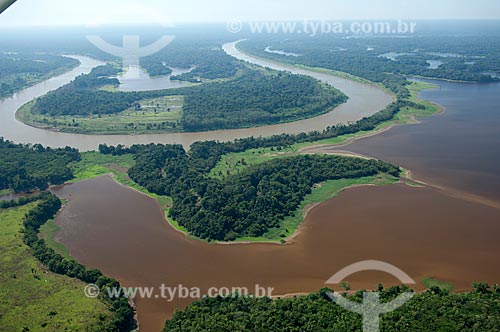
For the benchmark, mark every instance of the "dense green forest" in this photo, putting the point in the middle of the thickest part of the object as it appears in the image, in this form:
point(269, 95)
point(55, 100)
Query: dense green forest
point(258, 199)
point(433, 310)
point(98, 76)
point(25, 168)
point(256, 97)
point(246, 204)
point(169, 170)
point(382, 60)
point(69, 100)
point(20, 70)
point(205, 55)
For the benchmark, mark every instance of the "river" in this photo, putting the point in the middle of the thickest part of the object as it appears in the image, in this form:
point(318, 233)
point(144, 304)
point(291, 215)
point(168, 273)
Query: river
point(457, 150)
point(423, 231)
point(420, 230)
point(364, 100)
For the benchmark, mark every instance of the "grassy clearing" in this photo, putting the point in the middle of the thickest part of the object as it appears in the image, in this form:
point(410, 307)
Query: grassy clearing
point(431, 282)
point(4, 192)
point(48, 232)
point(34, 299)
point(234, 163)
point(94, 164)
point(159, 115)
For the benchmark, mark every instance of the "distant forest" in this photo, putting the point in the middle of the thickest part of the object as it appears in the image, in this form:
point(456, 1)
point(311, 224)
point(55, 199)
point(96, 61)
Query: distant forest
point(20, 70)
point(205, 55)
point(463, 58)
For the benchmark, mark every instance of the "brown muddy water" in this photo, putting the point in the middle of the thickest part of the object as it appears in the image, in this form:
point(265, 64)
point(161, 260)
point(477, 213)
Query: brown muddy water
point(458, 149)
point(420, 230)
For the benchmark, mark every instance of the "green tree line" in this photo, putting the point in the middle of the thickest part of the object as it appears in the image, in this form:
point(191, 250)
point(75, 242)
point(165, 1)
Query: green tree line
point(49, 205)
point(432, 310)
point(246, 204)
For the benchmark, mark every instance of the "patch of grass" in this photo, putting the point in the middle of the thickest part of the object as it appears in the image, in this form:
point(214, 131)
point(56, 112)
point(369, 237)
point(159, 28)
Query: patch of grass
point(158, 115)
point(34, 299)
point(4, 192)
point(94, 164)
point(48, 232)
point(234, 163)
point(431, 282)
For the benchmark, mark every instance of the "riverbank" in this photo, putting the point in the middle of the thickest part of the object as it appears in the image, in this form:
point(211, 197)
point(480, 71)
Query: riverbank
point(30, 81)
point(157, 116)
point(94, 164)
point(364, 100)
point(34, 298)
point(124, 233)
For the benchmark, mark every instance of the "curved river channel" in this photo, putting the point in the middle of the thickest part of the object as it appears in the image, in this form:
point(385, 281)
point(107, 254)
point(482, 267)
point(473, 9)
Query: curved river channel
point(364, 100)
point(124, 233)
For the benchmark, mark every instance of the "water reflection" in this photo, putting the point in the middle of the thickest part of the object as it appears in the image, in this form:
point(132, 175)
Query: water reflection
point(137, 79)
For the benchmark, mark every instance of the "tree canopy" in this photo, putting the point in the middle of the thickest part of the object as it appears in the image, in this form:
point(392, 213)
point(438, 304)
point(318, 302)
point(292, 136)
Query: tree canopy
point(246, 204)
point(25, 168)
point(433, 310)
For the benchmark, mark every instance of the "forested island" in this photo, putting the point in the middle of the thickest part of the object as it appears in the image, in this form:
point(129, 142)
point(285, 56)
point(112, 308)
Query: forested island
point(254, 97)
point(463, 58)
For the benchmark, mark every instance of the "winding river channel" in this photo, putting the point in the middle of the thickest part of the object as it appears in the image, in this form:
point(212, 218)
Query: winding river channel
point(364, 100)
point(421, 230)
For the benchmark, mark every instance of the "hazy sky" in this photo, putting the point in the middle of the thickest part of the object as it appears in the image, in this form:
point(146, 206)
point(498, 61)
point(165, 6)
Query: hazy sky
point(64, 12)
